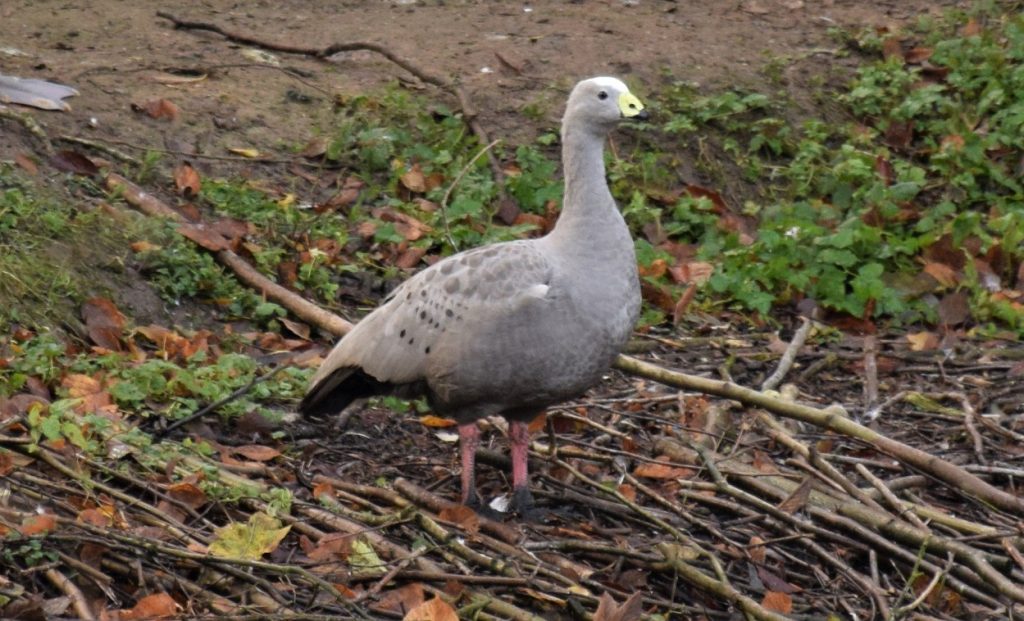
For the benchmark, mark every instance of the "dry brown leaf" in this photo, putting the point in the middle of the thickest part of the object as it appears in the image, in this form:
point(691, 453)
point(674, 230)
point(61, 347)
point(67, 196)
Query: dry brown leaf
point(432, 610)
point(756, 550)
point(103, 322)
point(204, 236)
point(656, 269)
point(410, 257)
point(323, 489)
point(37, 524)
point(186, 179)
point(628, 492)
point(297, 328)
point(154, 606)
point(608, 610)
point(414, 179)
point(314, 148)
point(187, 493)
point(144, 246)
point(160, 109)
point(73, 162)
point(942, 273)
point(692, 272)
point(462, 516)
point(917, 55)
point(798, 499)
point(662, 471)
point(256, 452)
point(923, 341)
point(778, 602)
point(402, 599)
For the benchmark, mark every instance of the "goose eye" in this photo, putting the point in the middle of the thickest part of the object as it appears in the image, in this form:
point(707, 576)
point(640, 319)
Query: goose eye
point(602, 95)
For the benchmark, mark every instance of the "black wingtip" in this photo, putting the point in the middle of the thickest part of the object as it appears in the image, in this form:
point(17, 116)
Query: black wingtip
point(337, 391)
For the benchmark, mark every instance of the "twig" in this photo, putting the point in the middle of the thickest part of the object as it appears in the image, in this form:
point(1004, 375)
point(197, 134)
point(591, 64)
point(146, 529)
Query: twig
point(75, 594)
point(448, 193)
point(469, 112)
point(789, 356)
point(835, 419)
point(299, 306)
point(216, 405)
point(870, 371)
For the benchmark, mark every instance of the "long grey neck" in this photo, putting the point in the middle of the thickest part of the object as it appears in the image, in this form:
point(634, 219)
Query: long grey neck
point(588, 203)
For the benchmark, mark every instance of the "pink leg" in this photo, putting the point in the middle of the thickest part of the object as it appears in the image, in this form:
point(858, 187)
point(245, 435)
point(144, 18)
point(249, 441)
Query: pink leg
point(519, 434)
point(469, 439)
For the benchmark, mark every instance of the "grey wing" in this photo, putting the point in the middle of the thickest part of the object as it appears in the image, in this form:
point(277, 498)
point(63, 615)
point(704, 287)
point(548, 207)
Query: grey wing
point(394, 342)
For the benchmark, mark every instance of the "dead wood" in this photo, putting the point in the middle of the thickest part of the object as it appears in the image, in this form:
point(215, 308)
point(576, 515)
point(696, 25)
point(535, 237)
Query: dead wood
point(299, 306)
point(834, 419)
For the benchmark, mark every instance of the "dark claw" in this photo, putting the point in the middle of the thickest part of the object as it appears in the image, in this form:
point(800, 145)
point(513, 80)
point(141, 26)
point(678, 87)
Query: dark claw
point(522, 504)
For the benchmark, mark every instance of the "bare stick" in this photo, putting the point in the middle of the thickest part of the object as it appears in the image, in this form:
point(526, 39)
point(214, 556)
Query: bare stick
point(299, 306)
point(789, 356)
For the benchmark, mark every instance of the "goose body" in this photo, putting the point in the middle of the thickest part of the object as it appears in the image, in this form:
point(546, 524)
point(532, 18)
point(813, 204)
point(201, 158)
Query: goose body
point(510, 328)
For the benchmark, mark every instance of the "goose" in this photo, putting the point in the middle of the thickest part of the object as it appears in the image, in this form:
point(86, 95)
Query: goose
point(509, 328)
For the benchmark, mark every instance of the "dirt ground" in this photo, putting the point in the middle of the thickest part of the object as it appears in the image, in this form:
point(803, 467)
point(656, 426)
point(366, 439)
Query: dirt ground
point(508, 55)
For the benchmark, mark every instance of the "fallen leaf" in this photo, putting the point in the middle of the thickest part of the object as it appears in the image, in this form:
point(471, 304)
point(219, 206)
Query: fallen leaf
point(36, 93)
point(923, 341)
point(256, 452)
point(891, 47)
point(662, 471)
point(104, 323)
point(778, 602)
point(756, 550)
point(186, 179)
point(160, 109)
point(608, 610)
point(945, 275)
point(363, 556)
point(656, 269)
point(251, 540)
point(154, 606)
point(410, 257)
point(187, 493)
point(37, 524)
point(414, 179)
point(74, 162)
point(899, 134)
point(692, 272)
point(402, 599)
point(798, 499)
point(246, 152)
point(971, 28)
point(144, 246)
point(430, 420)
point(26, 163)
point(462, 516)
point(432, 610)
point(297, 328)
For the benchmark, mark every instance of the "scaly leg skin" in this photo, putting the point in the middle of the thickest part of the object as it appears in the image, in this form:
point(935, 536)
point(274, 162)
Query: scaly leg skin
point(469, 439)
point(522, 499)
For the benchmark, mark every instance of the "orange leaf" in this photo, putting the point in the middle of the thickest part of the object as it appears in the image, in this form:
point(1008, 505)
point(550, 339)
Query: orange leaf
point(628, 492)
point(433, 610)
point(161, 109)
point(401, 599)
point(656, 269)
point(778, 602)
point(662, 471)
point(257, 452)
point(463, 516)
point(155, 606)
point(756, 549)
point(436, 421)
point(539, 422)
point(321, 489)
point(414, 180)
point(38, 525)
point(186, 179)
point(188, 494)
point(923, 341)
point(695, 272)
point(942, 273)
